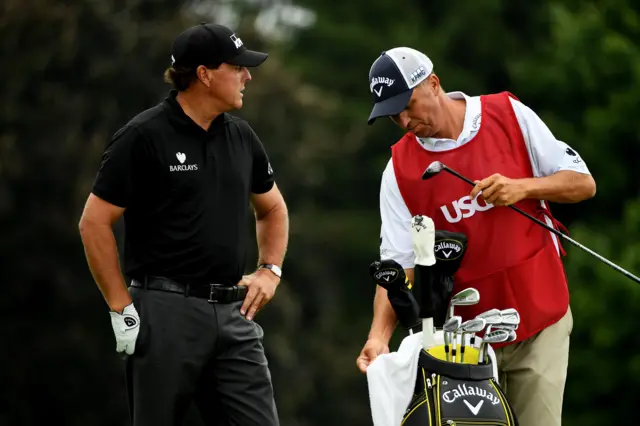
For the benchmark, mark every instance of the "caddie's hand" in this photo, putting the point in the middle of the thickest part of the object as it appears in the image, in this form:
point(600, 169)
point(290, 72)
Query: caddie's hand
point(262, 286)
point(126, 326)
point(370, 352)
point(500, 190)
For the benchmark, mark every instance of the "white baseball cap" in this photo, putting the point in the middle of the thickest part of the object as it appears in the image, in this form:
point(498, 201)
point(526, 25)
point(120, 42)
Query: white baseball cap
point(392, 78)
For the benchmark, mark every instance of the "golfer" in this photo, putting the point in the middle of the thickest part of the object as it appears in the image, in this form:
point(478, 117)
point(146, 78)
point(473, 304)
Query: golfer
point(184, 174)
point(515, 160)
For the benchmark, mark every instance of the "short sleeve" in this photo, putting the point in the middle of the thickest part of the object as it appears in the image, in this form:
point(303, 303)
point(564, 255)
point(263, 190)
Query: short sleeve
point(548, 155)
point(395, 232)
point(262, 173)
point(113, 182)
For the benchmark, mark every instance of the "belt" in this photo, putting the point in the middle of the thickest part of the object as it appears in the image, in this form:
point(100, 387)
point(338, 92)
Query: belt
point(214, 293)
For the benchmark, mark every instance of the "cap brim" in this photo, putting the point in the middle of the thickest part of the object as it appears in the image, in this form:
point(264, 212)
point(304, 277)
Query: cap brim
point(392, 106)
point(248, 58)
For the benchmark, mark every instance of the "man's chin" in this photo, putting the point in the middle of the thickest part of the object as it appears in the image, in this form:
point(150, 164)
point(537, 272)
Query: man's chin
point(423, 132)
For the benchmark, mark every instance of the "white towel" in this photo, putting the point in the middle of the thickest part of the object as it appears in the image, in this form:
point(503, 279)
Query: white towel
point(392, 377)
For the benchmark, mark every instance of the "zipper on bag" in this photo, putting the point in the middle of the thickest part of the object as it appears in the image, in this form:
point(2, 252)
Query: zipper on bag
point(431, 398)
point(418, 403)
point(436, 392)
point(505, 403)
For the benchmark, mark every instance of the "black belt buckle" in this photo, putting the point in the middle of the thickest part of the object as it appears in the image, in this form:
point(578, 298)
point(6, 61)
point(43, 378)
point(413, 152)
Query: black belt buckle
point(212, 287)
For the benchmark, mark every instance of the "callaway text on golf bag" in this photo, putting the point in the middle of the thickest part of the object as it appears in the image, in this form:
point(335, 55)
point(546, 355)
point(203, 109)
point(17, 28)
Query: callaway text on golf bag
point(457, 394)
point(450, 393)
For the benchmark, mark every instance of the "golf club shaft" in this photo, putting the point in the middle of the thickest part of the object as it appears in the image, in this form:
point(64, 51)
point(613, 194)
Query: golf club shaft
point(556, 232)
point(483, 346)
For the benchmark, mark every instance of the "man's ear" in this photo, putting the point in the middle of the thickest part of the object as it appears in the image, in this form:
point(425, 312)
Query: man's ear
point(204, 76)
point(434, 84)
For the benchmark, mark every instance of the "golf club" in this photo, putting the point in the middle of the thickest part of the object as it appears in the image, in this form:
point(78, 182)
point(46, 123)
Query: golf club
point(507, 327)
point(497, 336)
point(492, 316)
point(466, 297)
point(510, 317)
point(436, 167)
point(449, 328)
point(510, 338)
point(471, 326)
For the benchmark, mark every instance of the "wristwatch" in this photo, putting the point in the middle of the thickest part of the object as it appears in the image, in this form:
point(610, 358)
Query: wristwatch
point(273, 268)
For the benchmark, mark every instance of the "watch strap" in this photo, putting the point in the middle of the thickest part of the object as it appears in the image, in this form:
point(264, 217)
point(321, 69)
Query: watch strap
point(273, 268)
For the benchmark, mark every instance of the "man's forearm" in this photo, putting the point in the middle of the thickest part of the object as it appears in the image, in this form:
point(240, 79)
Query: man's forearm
point(564, 186)
point(384, 317)
point(102, 257)
point(272, 234)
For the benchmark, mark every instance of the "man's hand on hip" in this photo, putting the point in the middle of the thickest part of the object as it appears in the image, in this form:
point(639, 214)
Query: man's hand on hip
point(500, 190)
point(370, 352)
point(262, 286)
point(126, 326)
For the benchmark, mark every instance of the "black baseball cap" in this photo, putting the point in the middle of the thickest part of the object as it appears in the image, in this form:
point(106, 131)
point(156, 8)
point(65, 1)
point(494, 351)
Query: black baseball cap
point(392, 78)
point(212, 45)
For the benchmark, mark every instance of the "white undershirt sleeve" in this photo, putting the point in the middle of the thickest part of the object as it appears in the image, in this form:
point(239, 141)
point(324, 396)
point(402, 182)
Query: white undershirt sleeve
point(395, 232)
point(547, 154)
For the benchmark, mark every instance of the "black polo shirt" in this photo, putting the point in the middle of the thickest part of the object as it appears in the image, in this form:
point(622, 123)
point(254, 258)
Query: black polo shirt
point(186, 193)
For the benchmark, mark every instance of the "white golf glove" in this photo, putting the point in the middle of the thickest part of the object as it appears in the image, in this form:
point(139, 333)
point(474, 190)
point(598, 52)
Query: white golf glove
point(423, 236)
point(126, 326)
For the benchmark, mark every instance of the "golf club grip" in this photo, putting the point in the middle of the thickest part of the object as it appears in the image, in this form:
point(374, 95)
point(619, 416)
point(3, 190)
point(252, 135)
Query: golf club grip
point(556, 232)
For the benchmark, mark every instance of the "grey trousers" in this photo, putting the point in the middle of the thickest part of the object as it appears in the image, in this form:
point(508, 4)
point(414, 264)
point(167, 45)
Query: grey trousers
point(190, 351)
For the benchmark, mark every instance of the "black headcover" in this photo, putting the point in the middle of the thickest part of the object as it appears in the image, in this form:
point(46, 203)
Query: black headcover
point(391, 276)
point(434, 284)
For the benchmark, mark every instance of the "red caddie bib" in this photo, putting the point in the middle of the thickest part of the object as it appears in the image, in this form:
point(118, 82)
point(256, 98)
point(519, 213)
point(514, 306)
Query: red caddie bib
point(512, 261)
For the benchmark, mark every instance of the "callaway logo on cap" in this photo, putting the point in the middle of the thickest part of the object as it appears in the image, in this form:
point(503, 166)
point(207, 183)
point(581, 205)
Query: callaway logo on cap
point(392, 78)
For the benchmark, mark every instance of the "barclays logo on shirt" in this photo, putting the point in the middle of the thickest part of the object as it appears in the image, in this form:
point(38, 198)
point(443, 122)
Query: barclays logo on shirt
point(182, 157)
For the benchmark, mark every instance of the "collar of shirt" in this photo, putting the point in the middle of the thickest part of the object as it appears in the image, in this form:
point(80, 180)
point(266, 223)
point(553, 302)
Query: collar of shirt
point(472, 119)
point(178, 116)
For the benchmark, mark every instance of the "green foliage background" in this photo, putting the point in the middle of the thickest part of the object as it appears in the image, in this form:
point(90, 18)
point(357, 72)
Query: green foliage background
point(75, 71)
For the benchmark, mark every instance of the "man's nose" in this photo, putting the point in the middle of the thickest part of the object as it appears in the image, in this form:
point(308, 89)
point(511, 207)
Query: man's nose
point(247, 75)
point(403, 119)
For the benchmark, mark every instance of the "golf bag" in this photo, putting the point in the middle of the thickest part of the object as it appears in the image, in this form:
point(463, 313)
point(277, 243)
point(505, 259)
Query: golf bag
point(457, 395)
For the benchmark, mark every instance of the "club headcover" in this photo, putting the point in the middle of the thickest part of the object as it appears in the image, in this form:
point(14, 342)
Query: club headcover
point(434, 284)
point(449, 248)
point(391, 276)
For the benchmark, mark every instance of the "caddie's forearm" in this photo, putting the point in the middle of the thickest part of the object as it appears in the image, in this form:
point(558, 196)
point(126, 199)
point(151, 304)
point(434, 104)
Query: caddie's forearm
point(384, 317)
point(102, 257)
point(564, 186)
point(272, 234)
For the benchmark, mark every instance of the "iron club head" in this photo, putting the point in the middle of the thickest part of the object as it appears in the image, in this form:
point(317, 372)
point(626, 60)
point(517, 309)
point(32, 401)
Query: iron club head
point(492, 316)
point(466, 297)
point(497, 336)
point(510, 317)
point(473, 325)
point(452, 324)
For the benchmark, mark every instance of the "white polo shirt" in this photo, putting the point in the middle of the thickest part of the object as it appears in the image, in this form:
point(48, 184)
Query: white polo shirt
point(547, 154)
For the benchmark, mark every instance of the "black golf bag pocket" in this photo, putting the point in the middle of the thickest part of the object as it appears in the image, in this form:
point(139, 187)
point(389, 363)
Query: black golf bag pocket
point(449, 394)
